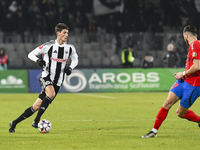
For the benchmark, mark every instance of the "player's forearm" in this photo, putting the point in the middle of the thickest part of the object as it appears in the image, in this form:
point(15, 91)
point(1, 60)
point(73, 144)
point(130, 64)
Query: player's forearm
point(195, 67)
point(191, 70)
point(32, 56)
point(74, 58)
point(74, 64)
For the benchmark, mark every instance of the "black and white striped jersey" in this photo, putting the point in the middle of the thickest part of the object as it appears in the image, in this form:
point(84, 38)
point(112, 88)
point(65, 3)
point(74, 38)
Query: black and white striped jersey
point(56, 57)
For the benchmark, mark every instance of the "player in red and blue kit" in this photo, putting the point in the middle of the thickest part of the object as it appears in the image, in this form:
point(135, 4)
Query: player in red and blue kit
point(186, 88)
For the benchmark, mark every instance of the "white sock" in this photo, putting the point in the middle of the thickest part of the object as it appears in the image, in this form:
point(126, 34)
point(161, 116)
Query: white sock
point(154, 130)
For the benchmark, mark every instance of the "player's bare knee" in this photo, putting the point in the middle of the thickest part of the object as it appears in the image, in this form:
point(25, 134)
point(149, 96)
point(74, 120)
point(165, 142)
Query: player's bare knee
point(51, 95)
point(167, 105)
point(50, 92)
point(35, 107)
point(180, 114)
point(37, 104)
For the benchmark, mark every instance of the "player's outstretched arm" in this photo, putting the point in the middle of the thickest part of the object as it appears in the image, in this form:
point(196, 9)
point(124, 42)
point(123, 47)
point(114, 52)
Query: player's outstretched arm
point(195, 67)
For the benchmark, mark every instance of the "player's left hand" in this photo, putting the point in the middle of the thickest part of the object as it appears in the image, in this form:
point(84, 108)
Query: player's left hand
point(178, 75)
point(68, 70)
point(41, 62)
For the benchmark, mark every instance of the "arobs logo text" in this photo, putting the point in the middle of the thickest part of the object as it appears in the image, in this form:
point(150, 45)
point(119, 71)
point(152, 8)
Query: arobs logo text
point(124, 80)
point(120, 80)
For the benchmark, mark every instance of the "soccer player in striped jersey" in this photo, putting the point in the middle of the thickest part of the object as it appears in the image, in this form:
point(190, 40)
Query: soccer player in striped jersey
point(186, 88)
point(54, 63)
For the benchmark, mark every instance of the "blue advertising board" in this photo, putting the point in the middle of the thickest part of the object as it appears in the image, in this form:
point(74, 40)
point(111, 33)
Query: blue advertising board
point(34, 85)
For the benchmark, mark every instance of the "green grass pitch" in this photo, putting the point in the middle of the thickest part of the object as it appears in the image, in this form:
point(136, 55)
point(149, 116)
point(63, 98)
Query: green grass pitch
point(97, 121)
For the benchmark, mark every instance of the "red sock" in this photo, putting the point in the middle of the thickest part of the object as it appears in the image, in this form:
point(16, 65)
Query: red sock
point(162, 114)
point(191, 116)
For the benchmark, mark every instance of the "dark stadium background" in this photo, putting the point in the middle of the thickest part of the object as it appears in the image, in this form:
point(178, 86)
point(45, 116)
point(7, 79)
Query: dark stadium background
point(98, 34)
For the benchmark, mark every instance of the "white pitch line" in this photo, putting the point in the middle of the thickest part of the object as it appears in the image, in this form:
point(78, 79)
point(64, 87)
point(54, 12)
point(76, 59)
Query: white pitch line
point(109, 97)
point(112, 120)
point(97, 120)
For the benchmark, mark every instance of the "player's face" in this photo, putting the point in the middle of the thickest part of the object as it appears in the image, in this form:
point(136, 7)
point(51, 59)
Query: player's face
point(63, 35)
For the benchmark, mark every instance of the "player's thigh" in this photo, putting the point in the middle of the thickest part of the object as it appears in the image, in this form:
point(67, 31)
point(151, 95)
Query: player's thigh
point(37, 104)
point(171, 100)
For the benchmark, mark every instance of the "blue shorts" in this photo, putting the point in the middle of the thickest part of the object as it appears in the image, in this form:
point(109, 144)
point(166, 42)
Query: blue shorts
point(186, 92)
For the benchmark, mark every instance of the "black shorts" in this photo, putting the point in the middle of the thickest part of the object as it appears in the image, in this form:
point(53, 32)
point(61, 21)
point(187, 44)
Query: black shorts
point(44, 82)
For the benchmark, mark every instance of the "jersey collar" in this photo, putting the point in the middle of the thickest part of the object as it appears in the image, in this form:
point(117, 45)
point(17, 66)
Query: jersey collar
point(59, 44)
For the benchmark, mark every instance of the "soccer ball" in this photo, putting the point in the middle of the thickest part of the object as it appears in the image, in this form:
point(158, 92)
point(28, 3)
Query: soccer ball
point(44, 126)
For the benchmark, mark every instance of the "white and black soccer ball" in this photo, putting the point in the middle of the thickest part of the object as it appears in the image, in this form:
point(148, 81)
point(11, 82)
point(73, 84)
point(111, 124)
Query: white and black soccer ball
point(44, 126)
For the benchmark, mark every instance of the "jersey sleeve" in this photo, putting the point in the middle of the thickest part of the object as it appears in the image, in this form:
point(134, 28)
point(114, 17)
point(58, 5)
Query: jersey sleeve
point(37, 51)
point(195, 47)
point(74, 58)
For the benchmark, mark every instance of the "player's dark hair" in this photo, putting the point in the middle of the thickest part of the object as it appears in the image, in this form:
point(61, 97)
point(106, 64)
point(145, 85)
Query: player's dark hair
point(60, 27)
point(191, 29)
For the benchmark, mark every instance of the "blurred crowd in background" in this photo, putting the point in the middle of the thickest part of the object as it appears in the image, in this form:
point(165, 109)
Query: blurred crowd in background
point(39, 17)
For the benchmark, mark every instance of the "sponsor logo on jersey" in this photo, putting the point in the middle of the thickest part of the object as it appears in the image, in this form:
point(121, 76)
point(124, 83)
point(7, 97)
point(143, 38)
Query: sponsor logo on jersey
point(58, 60)
point(55, 51)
